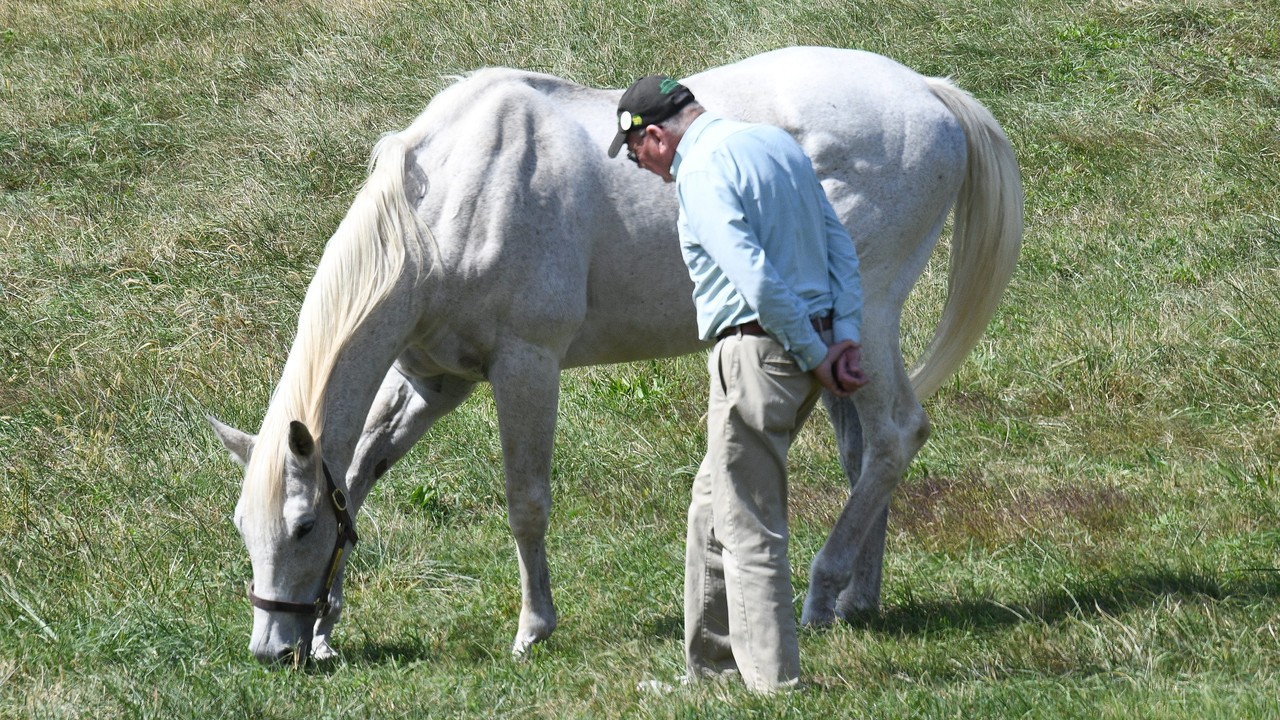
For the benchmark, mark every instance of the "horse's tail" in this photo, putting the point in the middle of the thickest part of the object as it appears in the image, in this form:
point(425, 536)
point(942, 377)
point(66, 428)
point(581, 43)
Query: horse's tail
point(986, 241)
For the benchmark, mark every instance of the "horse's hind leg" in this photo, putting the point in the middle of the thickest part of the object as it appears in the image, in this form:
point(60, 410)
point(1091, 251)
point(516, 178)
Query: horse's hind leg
point(863, 591)
point(894, 428)
point(526, 387)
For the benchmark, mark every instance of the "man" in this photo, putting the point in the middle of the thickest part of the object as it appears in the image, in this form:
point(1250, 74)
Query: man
point(776, 286)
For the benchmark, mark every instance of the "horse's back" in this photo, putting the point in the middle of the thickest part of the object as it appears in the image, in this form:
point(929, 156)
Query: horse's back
point(890, 154)
point(516, 164)
point(850, 109)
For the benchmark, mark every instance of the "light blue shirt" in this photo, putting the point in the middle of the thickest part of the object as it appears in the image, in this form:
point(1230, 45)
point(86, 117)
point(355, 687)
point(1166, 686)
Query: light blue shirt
point(761, 239)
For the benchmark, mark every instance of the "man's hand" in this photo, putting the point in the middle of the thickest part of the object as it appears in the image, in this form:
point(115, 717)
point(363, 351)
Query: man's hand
point(841, 371)
point(848, 369)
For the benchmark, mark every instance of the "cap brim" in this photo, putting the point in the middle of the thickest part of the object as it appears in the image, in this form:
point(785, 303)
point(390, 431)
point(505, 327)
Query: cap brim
point(618, 140)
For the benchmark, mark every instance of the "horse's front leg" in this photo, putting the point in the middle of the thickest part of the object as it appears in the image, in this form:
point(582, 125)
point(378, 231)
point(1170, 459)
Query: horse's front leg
point(321, 645)
point(526, 389)
point(403, 410)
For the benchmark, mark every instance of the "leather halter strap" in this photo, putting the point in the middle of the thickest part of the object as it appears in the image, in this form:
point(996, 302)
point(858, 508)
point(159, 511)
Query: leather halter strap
point(346, 534)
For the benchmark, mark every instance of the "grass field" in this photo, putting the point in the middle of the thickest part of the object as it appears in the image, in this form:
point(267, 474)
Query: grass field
point(1092, 532)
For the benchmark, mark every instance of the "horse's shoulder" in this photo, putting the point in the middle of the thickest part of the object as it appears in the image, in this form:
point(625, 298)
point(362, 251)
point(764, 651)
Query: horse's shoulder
point(498, 110)
point(508, 86)
point(551, 86)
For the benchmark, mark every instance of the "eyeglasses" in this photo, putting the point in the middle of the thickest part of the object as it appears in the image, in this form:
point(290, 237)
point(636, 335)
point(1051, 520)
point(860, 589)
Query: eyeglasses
point(631, 148)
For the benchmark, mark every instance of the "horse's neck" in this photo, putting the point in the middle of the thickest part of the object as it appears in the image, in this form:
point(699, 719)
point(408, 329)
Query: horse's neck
point(352, 386)
point(357, 372)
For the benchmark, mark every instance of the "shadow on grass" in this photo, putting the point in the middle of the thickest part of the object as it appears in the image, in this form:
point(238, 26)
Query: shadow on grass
point(465, 645)
point(670, 627)
point(1112, 595)
point(386, 653)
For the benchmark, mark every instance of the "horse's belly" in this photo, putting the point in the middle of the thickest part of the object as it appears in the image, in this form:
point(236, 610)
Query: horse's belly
point(650, 325)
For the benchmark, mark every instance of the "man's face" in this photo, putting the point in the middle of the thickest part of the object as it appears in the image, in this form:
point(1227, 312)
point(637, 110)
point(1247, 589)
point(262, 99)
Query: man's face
point(648, 148)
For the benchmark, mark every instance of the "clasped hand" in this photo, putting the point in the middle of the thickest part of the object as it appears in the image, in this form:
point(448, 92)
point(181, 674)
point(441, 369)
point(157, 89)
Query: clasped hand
point(841, 371)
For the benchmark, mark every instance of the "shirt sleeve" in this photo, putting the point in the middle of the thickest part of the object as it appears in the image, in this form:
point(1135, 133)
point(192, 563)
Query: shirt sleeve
point(717, 219)
point(844, 277)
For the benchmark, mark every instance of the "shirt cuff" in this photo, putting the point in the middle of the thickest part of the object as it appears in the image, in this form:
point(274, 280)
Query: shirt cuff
point(846, 330)
point(810, 355)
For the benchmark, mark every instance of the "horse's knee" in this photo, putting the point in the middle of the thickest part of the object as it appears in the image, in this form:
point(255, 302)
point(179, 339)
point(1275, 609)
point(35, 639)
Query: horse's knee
point(527, 514)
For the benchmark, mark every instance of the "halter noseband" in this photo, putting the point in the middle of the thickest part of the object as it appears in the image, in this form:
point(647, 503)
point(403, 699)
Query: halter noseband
point(346, 534)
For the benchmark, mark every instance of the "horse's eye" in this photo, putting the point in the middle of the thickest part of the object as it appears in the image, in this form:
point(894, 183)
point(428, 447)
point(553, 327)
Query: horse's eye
point(303, 529)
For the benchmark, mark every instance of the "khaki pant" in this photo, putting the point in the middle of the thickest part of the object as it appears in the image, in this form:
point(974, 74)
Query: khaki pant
point(738, 605)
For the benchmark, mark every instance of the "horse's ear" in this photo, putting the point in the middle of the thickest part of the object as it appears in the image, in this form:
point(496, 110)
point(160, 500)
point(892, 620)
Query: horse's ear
point(239, 444)
point(300, 441)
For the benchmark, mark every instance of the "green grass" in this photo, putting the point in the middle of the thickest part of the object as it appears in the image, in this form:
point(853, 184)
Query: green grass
point(1091, 533)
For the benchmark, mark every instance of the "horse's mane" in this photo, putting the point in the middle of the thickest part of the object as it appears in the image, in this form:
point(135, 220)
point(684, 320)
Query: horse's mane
point(376, 243)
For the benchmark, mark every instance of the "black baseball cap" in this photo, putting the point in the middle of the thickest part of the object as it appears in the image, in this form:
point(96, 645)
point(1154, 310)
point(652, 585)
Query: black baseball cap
point(649, 100)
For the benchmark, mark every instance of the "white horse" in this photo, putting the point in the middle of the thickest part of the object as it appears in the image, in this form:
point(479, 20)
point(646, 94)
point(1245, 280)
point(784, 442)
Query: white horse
point(495, 242)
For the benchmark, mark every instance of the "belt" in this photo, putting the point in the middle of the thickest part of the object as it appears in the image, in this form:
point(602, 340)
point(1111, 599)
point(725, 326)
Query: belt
point(752, 327)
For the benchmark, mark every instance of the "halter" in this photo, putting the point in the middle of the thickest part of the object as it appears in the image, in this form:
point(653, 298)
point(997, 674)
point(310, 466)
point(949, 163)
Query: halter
point(346, 534)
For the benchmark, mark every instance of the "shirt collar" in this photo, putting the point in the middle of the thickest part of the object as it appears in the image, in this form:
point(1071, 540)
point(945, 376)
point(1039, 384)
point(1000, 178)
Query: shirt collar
point(689, 139)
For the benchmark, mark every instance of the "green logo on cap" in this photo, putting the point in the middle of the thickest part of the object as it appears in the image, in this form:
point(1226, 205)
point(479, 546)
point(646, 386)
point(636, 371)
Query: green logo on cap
point(667, 85)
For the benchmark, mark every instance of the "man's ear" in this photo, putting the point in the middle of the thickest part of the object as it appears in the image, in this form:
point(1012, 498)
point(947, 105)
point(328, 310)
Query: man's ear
point(239, 444)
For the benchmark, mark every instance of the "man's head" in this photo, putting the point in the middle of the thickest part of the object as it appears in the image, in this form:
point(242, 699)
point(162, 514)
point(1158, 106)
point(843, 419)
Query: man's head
point(645, 108)
point(648, 101)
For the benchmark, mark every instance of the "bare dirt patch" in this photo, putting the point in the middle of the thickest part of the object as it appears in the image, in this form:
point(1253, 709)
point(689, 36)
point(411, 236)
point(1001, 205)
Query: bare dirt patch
point(939, 511)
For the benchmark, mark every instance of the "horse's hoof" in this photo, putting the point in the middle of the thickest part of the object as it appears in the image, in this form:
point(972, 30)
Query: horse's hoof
point(321, 650)
point(522, 648)
point(850, 610)
point(817, 622)
point(815, 617)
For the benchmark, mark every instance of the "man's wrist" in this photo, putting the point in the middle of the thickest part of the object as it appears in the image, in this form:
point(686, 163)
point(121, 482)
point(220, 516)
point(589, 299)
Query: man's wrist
point(811, 355)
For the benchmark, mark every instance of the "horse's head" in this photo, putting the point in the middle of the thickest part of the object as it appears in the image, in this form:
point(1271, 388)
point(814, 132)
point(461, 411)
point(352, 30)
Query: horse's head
point(297, 528)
